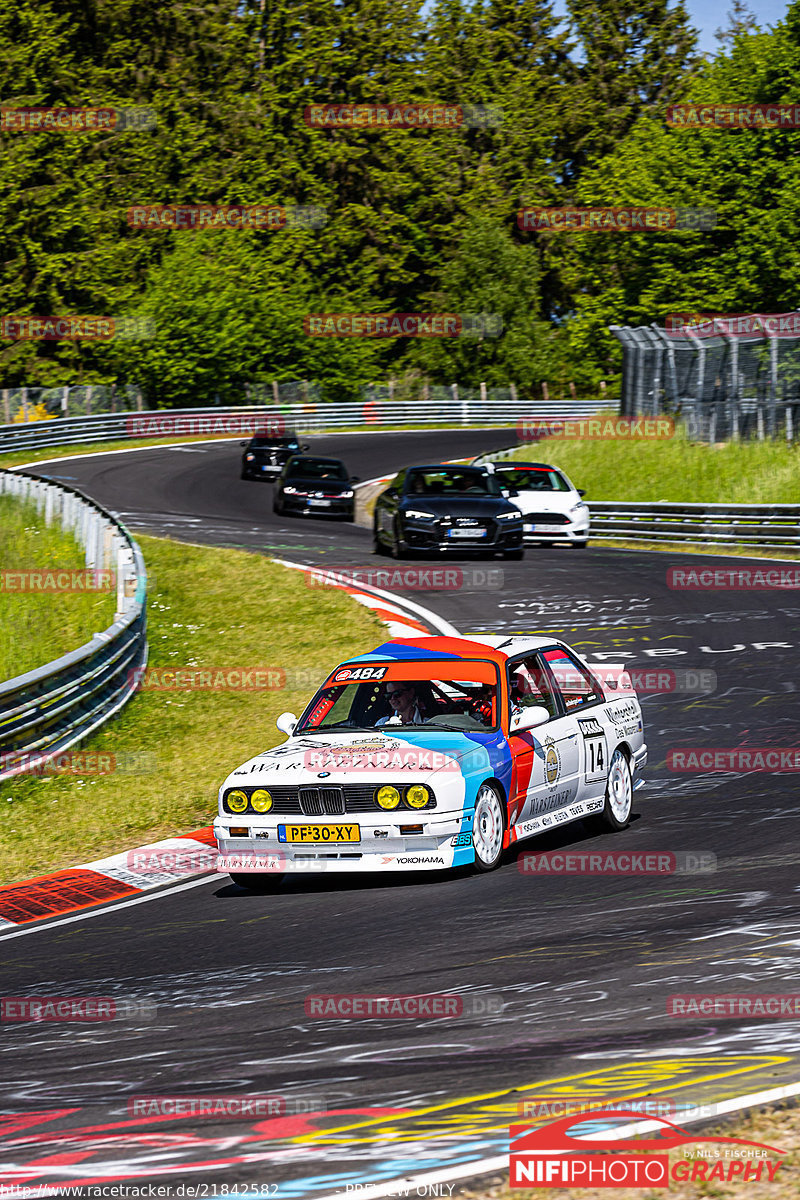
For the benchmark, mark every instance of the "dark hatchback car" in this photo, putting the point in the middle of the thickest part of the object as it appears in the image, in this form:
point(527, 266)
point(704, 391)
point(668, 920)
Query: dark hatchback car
point(264, 457)
point(320, 486)
point(442, 508)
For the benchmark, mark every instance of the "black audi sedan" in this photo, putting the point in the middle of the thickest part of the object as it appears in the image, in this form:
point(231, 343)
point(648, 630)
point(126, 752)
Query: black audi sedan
point(442, 508)
point(318, 486)
point(264, 457)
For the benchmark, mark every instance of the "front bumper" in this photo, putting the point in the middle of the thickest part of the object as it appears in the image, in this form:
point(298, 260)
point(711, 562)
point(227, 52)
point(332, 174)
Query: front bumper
point(638, 763)
point(261, 471)
point(437, 539)
point(302, 504)
point(445, 842)
point(541, 531)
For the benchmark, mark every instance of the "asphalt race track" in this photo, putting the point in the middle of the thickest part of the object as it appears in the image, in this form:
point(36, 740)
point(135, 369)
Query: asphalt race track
point(583, 963)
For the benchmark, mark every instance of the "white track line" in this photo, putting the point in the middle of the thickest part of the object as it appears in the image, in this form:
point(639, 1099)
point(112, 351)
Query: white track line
point(487, 1166)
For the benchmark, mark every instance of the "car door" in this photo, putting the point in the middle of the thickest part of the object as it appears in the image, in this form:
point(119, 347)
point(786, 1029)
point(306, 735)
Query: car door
point(387, 505)
point(582, 699)
point(546, 759)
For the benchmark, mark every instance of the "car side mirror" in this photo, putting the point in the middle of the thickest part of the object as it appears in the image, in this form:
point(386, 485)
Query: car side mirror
point(355, 479)
point(510, 492)
point(581, 492)
point(305, 446)
point(242, 443)
point(287, 722)
point(529, 718)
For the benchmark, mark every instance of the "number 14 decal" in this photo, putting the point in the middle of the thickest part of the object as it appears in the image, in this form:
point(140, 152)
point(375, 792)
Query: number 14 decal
point(595, 758)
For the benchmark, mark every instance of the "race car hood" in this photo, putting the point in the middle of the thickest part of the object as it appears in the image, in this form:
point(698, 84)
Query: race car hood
point(363, 757)
point(460, 505)
point(551, 502)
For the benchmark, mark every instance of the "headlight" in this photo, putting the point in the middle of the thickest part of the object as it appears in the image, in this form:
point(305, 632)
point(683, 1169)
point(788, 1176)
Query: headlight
point(509, 516)
point(346, 495)
point(236, 801)
point(249, 457)
point(387, 797)
point(579, 508)
point(290, 491)
point(417, 796)
point(419, 514)
point(261, 800)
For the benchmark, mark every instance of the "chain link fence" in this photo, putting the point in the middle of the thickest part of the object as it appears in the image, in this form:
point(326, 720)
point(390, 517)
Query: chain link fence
point(724, 386)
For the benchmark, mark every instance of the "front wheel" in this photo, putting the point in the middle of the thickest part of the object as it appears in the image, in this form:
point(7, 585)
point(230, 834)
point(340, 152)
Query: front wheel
point(377, 545)
point(513, 555)
point(580, 545)
point(619, 795)
point(488, 827)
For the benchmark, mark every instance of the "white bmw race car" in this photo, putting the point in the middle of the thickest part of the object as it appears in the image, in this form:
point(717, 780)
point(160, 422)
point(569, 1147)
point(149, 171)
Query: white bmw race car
point(433, 753)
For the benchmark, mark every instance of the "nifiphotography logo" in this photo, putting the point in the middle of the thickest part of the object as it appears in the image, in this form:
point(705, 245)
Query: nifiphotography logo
point(573, 1152)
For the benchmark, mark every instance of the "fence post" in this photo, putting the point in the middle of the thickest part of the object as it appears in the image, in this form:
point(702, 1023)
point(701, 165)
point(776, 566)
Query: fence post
point(276, 399)
point(65, 401)
point(545, 391)
point(89, 391)
point(25, 404)
point(512, 390)
point(760, 422)
point(773, 382)
point(6, 408)
point(483, 392)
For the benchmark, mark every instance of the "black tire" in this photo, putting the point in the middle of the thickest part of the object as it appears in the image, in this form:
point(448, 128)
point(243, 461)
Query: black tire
point(258, 884)
point(513, 555)
point(377, 545)
point(580, 545)
point(488, 828)
point(616, 812)
point(398, 547)
point(244, 475)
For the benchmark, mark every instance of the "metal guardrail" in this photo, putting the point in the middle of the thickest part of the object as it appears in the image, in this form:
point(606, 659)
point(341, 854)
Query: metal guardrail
point(775, 526)
point(764, 525)
point(46, 711)
point(305, 418)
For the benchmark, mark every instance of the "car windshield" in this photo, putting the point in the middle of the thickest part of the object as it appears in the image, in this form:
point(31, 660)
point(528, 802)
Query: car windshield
point(534, 479)
point(434, 695)
point(276, 443)
point(446, 481)
point(317, 468)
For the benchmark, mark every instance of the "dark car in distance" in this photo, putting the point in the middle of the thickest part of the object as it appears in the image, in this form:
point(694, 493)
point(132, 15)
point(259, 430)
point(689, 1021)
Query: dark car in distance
point(442, 508)
point(320, 487)
point(265, 456)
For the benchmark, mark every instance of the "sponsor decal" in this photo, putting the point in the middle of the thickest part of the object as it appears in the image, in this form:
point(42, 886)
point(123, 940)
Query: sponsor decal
point(623, 710)
point(461, 839)
point(552, 761)
point(406, 860)
point(590, 727)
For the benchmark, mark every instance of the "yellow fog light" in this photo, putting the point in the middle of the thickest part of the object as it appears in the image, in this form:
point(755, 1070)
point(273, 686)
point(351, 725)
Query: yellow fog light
point(236, 801)
point(261, 800)
point(417, 796)
point(388, 797)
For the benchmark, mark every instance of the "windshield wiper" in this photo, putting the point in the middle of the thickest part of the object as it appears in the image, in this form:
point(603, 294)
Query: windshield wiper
point(338, 725)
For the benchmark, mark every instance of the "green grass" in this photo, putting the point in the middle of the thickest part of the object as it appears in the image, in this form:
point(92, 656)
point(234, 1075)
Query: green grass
point(678, 470)
point(209, 609)
point(36, 627)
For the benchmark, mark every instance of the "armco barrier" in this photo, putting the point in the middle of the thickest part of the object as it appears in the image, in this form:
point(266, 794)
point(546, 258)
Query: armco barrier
point(46, 711)
point(765, 525)
point(305, 418)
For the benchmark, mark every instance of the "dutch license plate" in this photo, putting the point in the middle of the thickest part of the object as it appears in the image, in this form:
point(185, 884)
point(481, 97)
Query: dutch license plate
point(319, 833)
point(466, 533)
point(320, 503)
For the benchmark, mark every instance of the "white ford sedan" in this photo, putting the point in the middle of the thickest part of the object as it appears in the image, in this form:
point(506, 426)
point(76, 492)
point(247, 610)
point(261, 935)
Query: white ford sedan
point(551, 506)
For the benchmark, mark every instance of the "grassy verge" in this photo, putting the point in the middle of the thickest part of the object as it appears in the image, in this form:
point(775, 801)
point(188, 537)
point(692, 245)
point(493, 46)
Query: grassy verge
point(210, 609)
point(773, 1127)
point(676, 470)
point(36, 627)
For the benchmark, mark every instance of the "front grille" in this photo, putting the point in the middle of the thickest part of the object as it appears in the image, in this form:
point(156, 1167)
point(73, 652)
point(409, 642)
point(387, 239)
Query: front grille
point(319, 802)
point(546, 518)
